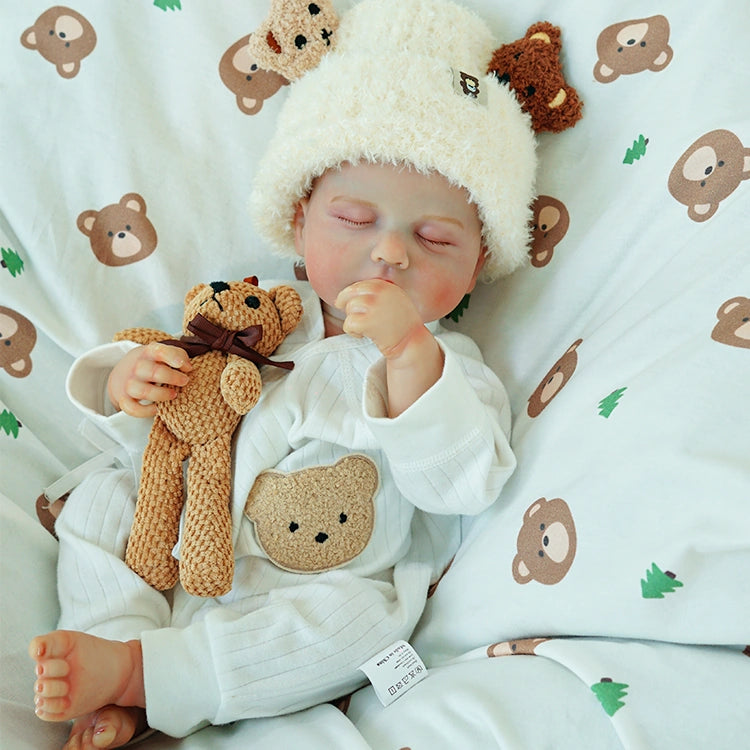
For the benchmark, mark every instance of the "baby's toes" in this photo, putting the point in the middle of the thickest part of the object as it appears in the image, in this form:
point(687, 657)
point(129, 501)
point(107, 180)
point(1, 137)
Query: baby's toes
point(52, 708)
point(55, 645)
point(52, 668)
point(46, 688)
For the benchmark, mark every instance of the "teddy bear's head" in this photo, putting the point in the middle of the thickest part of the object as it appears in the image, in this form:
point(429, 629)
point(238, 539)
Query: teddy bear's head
point(531, 67)
point(294, 36)
point(236, 305)
point(315, 519)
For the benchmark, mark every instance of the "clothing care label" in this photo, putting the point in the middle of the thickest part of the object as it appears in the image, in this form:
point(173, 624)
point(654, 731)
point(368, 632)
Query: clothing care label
point(394, 670)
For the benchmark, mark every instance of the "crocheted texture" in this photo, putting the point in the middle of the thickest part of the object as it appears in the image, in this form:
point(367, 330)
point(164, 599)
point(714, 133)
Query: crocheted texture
point(198, 425)
point(294, 36)
point(315, 519)
point(531, 67)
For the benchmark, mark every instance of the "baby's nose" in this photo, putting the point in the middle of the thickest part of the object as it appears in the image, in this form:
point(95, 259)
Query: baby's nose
point(392, 250)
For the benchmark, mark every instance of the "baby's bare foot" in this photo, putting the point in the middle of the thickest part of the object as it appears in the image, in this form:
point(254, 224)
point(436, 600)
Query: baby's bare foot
point(78, 674)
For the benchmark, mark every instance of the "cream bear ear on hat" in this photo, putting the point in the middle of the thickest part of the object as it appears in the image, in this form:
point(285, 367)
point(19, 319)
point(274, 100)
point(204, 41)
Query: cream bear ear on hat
point(294, 36)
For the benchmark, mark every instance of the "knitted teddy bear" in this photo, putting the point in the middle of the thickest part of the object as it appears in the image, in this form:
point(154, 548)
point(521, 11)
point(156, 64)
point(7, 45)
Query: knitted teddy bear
point(532, 68)
point(230, 328)
point(294, 36)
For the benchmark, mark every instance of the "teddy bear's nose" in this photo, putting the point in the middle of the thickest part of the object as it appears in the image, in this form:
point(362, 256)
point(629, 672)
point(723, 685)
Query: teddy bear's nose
point(321, 537)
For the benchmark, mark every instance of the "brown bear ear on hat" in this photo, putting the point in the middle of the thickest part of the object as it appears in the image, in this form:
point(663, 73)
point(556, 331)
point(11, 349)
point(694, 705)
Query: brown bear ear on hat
point(294, 36)
point(532, 68)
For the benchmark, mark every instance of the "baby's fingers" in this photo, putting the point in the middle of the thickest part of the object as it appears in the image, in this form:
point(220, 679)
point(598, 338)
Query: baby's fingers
point(149, 371)
point(135, 408)
point(172, 356)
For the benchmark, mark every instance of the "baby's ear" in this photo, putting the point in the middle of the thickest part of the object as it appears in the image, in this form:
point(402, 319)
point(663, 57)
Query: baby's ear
point(298, 221)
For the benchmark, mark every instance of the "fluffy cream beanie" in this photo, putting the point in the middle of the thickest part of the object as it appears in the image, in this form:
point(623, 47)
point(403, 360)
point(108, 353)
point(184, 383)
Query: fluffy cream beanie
point(406, 84)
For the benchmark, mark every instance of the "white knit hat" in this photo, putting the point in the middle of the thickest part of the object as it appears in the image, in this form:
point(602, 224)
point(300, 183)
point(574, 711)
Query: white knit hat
point(406, 83)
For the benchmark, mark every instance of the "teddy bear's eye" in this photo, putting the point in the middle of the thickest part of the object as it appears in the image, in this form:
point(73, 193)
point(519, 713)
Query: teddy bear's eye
point(300, 41)
point(343, 518)
point(313, 9)
point(530, 91)
point(252, 302)
point(293, 527)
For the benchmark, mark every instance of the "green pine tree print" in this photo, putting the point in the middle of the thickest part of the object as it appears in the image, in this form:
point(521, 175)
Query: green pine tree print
point(609, 404)
point(9, 424)
point(610, 694)
point(656, 583)
point(636, 151)
point(11, 260)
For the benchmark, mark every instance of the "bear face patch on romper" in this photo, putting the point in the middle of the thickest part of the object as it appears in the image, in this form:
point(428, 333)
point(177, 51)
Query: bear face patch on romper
point(315, 519)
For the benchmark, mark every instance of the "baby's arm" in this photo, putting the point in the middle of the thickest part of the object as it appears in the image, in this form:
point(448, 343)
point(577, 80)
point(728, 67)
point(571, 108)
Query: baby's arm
point(450, 452)
point(150, 373)
point(384, 313)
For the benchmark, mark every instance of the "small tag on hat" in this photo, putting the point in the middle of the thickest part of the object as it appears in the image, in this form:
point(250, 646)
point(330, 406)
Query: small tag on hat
point(394, 670)
point(469, 85)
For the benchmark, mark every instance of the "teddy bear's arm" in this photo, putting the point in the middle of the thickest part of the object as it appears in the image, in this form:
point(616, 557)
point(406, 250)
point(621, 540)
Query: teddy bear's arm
point(240, 384)
point(141, 335)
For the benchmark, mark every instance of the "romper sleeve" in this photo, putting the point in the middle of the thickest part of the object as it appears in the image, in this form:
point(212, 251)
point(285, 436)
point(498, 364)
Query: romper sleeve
point(86, 386)
point(449, 451)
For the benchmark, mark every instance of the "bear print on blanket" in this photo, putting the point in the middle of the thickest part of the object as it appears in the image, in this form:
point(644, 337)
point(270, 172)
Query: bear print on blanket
point(242, 75)
point(120, 233)
point(63, 37)
point(733, 327)
point(546, 543)
point(17, 339)
point(709, 171)
point(632, 47)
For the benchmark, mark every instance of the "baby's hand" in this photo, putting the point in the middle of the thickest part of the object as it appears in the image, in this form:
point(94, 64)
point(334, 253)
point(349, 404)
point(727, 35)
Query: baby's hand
point(151, 373)
point(382, 312)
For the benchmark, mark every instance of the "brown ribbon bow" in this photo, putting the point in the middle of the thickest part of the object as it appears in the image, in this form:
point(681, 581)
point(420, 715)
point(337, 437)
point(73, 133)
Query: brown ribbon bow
point(210, 337)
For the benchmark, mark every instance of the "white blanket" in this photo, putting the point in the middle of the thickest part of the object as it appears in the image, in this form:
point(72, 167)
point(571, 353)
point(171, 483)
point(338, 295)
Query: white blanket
point(604, 600)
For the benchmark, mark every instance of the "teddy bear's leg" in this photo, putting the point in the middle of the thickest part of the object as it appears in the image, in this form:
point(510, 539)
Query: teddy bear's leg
point(206, 549)
point(158, 508)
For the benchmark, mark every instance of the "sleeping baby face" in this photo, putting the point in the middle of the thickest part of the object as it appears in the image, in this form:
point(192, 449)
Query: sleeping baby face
point(372, 221)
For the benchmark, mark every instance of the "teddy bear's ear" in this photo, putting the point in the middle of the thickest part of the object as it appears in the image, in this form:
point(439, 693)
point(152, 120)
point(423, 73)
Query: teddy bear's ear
point(544, 31)
point(289, 305)
point(191, 295)
point(531, 67)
